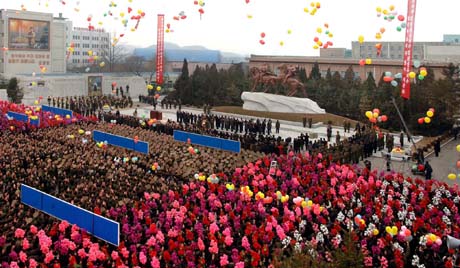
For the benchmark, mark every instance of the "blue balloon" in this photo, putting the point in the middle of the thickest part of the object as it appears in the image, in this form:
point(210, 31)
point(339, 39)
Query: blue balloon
point(394, 83)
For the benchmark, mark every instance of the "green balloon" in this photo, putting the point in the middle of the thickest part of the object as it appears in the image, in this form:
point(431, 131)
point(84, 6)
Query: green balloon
point(421, 77)
point(398, 29)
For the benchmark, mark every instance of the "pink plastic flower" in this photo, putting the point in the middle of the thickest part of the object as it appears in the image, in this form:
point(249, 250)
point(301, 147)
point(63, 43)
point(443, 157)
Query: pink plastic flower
point(22, 256)
point(49, 257)
point(155, 262)
point(223, 260)
point(32, 263)
point(142, 257)
point(228, 240)
point(239, 264)
point(19, 233)
point(200, 244)
point(213, 248)
point(33, 229)
point(25, 244)
point(63, 226)
point(81, 253)
point(114, 255)
point(245, 243)
point(14, 264)
point(213, 228)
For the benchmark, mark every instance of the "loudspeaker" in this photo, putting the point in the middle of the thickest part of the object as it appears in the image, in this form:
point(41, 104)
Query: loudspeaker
point(452, 242)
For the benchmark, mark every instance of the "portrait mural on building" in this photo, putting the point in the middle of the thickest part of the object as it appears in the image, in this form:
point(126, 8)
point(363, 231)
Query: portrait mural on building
point(28, 34)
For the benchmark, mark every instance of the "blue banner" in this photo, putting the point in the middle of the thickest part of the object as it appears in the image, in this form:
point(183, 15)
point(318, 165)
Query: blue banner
point(208, 141)
point(23, 118)
point(101, 227)
point(58, 111)
point(128, 143)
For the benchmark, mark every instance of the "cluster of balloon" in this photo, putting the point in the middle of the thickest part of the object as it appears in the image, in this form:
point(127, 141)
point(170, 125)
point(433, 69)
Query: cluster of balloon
point(427, 118)
point(422, 72)
point(200, 176)
point(168, 28)
point(391, 230)
point(367, 61)
point(314, 8)
point(155, 166)
point(391, 14)
point(318, 42)
point(378, 35)
point(140, 15)
point(43, 68)
point(213, 179)
point(378, 46)
point(102, 145)
point(180, 16)
point(249, 16)
point(192, 151)
point(374, 116)
point(199, 3)
point(432, 239)
point(289, 31)
point(262, 36)
point(151, 122)
point(70, 50)
point(405, 233)
point(359, 221)
point(389, 78)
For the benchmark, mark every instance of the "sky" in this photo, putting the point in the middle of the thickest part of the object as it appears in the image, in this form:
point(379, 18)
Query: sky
point(237, 25)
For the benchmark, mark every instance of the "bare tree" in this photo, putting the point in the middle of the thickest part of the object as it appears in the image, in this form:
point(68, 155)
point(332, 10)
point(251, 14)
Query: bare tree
point(135, 64)
point(113, 56)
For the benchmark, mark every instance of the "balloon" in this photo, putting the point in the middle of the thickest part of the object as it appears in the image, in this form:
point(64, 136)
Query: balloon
point(319, 30)
point(423, 72)
point(369, 115)
point(458, 148)
point(427, 120)
point(87, 69)
point(375, 115)
point(382, 30)
point(102, 64)
point(429, 113)
point(401, 18)
point(262, 42)
point(281, 43)
point(375, 232)
point(388, 74)
point(394, 83)
point(158, 88)
point(451, 176)
point(376, 111)
point(420, 77)
point(412, 75)
point(114, 84)
point(362, 62)
point(416, 63)
point(458, 164)
point(368, 61)
point(149, 87)
point(289, 31)
point(384, 118)
point(361, 39)
point(387, 78)
point(398, 28)
point(421, 120)
point(388, 229)
point(394, 230)
point(398, 75)
point(262, 35)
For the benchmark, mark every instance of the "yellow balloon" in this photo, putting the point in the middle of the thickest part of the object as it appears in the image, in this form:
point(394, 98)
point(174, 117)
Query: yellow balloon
point(412, 75)
point(423, 72)
point(388, 229)
point(122, 14)
point(369, 114)
point(375, 232)
point(158, 88)
point(392, 7)
point(361, 39)
point(331, 35)
point(427, 120)
point(451, 176)
point(289, 31)
point(309, 203)
point(315, 46)
point(149, 87)
point(249, 16)
point(281, 43)
point(102, 64)
point(90, 53)
point(385, 12)
point(368, 61)
point(458, 148)
point(375, 115)
point(319, 30)
point(394, 230)
point(429, 113)
point(306, 10)
point(379, 9)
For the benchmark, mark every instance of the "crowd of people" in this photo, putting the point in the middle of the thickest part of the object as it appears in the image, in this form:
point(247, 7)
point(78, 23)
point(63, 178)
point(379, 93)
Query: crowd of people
point(90, 105)
point(212, 208)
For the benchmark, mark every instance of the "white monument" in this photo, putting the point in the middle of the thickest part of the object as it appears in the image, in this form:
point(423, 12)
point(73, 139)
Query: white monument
point(257, 101)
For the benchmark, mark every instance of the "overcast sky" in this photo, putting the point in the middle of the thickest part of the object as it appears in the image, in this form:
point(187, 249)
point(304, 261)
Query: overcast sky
point(225, 24)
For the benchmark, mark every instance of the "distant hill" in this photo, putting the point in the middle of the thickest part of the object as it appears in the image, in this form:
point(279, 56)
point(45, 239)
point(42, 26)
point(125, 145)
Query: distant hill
point(173, 52)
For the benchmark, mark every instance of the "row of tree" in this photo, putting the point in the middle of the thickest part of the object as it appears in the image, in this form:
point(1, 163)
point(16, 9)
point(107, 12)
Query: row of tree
point(346, 96)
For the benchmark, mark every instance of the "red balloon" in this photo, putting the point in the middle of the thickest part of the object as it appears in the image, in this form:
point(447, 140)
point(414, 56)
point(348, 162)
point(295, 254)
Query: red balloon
point(175, 18)
point(384, 118)
point(431, 109)
point(387, 78)
point(262, 42)
point(247, 1)
point(401, 18)
point(376, 111)
point(262, 35)
point(130, 9)
point(201, 11)
point(362, 62)
point(195, 2)
point(315, 39)
point(421, 120)
point(373, 120)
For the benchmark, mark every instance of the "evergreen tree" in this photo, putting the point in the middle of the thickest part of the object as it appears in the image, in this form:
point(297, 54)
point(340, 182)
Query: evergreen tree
point(349, 77)
point(13, 91)
point(183, 85)
point(315, 73)
point(302, 73)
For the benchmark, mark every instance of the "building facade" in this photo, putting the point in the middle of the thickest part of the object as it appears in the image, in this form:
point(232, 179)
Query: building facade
point(31, 42)
point(86, 45)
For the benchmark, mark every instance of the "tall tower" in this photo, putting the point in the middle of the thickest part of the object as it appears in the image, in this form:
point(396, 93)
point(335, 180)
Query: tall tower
point(160, 48)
